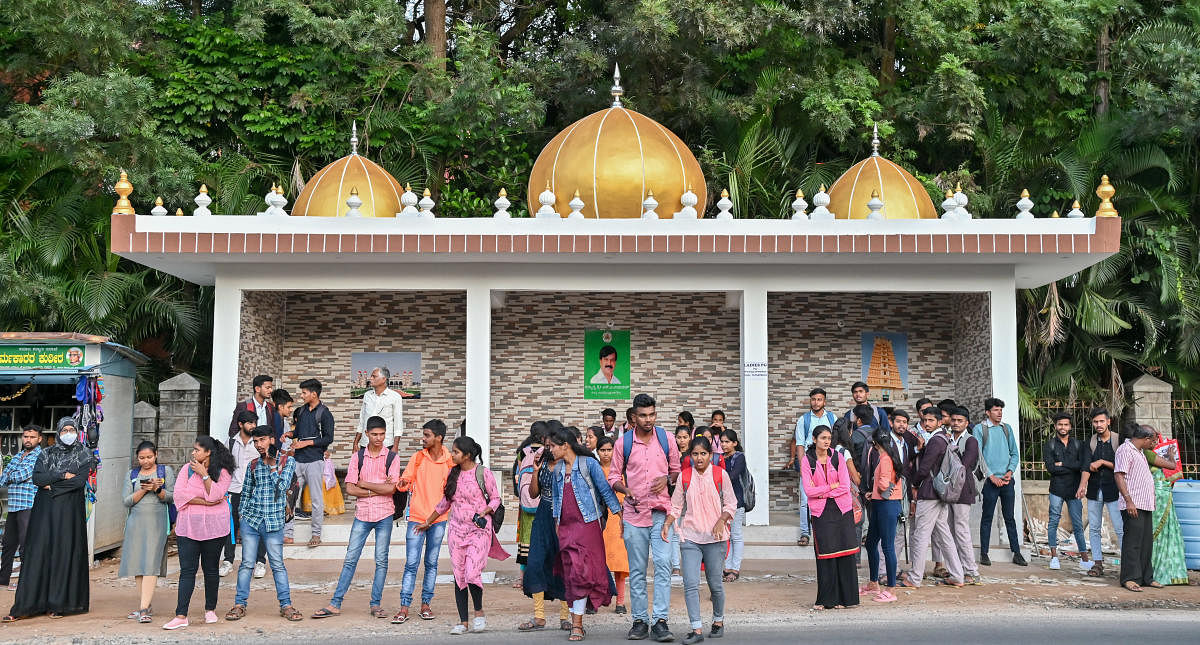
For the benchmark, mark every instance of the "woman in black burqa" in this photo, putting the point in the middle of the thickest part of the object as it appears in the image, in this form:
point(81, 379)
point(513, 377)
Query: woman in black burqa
point(54, 560)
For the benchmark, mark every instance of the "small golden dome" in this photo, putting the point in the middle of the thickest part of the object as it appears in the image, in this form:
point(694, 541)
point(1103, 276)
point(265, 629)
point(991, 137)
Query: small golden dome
point(903, 196)
point(615, 158)
point(326, 192)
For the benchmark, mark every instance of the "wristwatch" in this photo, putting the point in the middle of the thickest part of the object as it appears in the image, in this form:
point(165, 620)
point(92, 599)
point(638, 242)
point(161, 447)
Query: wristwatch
point(205, 478)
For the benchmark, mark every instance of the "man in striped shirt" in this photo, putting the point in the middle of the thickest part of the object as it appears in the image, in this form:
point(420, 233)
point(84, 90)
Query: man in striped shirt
point(1136, 485)
point(18, 476)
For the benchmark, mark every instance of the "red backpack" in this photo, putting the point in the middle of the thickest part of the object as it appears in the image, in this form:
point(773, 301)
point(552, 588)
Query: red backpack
point(718, 477)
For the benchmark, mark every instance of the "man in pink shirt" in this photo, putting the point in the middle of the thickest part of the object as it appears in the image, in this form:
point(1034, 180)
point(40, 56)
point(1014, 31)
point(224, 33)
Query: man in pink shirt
point(648, 459)
point(371, 476)
point(1136, 486)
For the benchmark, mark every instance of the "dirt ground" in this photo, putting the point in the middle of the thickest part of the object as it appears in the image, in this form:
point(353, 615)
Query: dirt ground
point(769, 592)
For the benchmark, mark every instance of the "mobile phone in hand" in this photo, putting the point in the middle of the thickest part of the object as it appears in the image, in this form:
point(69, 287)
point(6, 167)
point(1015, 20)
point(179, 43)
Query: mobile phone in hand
point(480, 521)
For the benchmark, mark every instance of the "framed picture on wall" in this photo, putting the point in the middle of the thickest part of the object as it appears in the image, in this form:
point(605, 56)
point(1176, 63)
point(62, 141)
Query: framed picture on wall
point(405, 368)
point(885, 364)
point(606, 364)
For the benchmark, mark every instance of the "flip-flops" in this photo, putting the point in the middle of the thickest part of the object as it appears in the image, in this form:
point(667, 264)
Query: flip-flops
point(324, 613)
point(531, 625)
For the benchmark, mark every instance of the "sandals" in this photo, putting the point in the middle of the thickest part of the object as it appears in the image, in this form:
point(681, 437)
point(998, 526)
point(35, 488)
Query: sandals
point(1097, 571)
point(867, 590)
point(291, 613)
point(885, 596)
point(803, 541)
point(531, 625)
point(10, 619)
point(236, 612)
point(731, 576)
point(314, 542)
point(325, 613)
point(377, 612)
point(400, 617)
point(145, 615)
point(426, 613)
point(577, 633)
point(1155, 585)
point(565, 625)
point(1133, 586)
point(903, 580)
point(55, 614)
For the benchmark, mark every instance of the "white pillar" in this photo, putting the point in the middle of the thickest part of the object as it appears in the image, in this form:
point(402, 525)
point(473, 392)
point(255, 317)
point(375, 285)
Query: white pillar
point(1004, 386)
point(754, 431)
point(479, 371)
point(227, 332)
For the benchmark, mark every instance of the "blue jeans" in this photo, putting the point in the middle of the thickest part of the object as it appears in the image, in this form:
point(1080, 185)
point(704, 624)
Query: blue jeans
point(737, 543)
point(251, 538)
point(675, 557)
point(429, 544)
point(358, 537)
point(642, 542)
point(1095, 516)
point(804, 528)
point(882, 533)
point(1075, 510)
point(1008, 499)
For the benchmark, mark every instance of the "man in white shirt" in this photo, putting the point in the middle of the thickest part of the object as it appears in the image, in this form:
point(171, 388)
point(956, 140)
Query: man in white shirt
point(816, 416)
point(381, 401)
point(241, 445)
point(608, 367)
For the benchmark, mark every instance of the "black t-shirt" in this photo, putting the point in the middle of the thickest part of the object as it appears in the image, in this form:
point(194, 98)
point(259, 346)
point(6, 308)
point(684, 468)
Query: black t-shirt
point(1102, 484)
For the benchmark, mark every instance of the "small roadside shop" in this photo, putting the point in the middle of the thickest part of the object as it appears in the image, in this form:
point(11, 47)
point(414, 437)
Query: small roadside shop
point(45, 376)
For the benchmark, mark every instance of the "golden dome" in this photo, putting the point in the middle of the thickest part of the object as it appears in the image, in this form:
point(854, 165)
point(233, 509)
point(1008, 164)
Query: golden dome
point(326, 192)
point(615, 158)
point(903, 196)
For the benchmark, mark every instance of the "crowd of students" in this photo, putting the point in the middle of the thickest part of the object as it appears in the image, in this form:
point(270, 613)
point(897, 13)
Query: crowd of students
point(874, 478)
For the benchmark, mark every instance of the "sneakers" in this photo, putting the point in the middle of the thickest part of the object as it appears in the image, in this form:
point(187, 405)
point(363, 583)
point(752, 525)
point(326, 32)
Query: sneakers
point(661, 633)
point(717, 631)
point(210, 617)
point(1085, 566)
point(1054, 564)
point(176, 623)
point(226, 568)
point(479, 624)
point(458, 630)
point(693, 637)
point(620, 609)
point(639, 631)
point(1019, 559)
point(985, 560)
point(260, 569)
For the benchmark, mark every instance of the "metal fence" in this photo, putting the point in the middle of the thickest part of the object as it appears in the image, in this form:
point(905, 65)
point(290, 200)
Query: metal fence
point(1035, 433)
point(1185, 425)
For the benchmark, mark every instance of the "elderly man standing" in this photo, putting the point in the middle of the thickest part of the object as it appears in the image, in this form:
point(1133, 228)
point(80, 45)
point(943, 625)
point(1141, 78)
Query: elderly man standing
point(385, 403)
point(1136, 484)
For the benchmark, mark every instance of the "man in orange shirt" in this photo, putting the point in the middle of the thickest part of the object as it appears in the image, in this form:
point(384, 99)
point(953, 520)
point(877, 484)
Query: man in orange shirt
point(424, 478)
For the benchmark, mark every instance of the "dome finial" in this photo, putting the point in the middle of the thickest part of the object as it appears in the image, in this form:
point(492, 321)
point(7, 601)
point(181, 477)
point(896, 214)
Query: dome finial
point(875, 141)
point(617, 90)
point(354, 137)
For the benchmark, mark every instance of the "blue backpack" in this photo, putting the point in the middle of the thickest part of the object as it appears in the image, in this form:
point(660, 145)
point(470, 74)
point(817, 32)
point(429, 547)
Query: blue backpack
point(627, 447)
point(172, 512)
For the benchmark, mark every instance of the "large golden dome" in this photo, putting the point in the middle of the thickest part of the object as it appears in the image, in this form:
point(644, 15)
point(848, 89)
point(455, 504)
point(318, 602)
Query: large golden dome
point(903, 196)
point(326, 192)
point(615, 158)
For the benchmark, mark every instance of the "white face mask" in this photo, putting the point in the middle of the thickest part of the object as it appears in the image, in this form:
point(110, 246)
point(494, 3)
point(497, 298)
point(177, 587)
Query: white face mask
point(68, 438)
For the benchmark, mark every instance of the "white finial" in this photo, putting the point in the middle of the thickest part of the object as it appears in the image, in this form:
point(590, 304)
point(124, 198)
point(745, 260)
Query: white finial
point(960, 199)
point(875, 141)
point(502, 205)
point(354, 138)
point(949, 206)
point(353, 202)
point(158, 209)
point(1075, 210)
point(202, 201)
point(576, 205)
point(875, 205)
point(648, 206)
point(617, 90)
point(821, 213)
point(799, 206)
point(280, 201)
point(426, 204)
point(408, 201)
point(689, 201)
point(1024, 205)
point(546, 198)
point(723, 206)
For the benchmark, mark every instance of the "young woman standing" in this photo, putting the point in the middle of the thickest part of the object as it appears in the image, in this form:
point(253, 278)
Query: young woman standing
point(614, 544)
point(886, 490)
point(704, 502)
point(581, 492)
point(825, 475)
point(469, 533)
point(539, 580)
point(148, 496)
point(735, 466)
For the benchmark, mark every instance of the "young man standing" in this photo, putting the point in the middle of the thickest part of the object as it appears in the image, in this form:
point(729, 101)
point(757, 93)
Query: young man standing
point(263, 507)
point(259, 403)
point(960, 510)
point(1100, 485)
point(1064, 461)
point(801, 438)
point(907, 445)
point(312, 435)
point(425, 479)
point(608, 417)
point(385, 403)
point(644, 461)
point(861, 393)
point(371, 476)
point(932, 524)
point(241, 445)
point(18, 476)
point(999, 460)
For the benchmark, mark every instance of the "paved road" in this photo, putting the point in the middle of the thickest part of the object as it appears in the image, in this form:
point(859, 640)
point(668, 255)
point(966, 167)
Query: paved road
point(1029, 625)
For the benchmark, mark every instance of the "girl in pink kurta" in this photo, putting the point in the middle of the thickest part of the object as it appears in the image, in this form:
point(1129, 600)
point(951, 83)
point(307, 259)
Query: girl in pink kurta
point(469, 531)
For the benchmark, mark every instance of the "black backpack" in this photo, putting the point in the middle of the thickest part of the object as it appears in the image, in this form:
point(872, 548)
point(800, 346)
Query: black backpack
point(399, 498)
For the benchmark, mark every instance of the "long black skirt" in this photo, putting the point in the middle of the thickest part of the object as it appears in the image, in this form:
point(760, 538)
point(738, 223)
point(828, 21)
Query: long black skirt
point(538, 576)
point(54, 559)
point(835, 545)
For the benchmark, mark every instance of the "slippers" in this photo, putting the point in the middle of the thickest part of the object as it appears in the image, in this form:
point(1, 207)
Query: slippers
point(426, 613)
point(325, 613)
point(1133, 586)
point(1155, 585)
point(531, 625)
point(885, 596)
point(400, 617)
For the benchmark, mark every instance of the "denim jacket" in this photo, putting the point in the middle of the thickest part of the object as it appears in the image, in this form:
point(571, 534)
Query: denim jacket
point(583, 496)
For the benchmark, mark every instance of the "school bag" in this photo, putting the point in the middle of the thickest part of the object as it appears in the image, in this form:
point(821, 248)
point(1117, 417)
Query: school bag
point(627, 447)
point(498, 514)
point(399, 498)
point(747, 482)
point(951, 477)
point(161, 473)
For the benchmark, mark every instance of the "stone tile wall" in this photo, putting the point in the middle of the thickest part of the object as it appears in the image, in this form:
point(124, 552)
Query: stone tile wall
point(263, 316)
